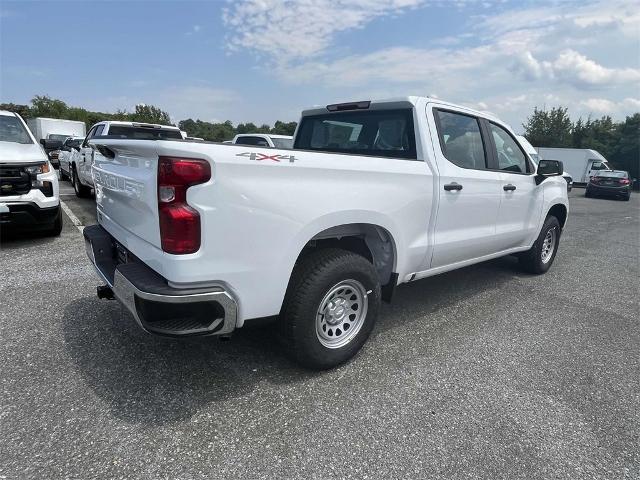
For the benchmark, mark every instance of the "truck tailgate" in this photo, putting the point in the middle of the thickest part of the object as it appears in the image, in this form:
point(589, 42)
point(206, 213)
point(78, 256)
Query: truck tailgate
point(126, 187)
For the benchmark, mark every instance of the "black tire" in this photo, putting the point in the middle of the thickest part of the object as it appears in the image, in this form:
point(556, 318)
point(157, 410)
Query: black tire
point(57, 225)
point(587, 193)
point(627, 197)
point(82, 191)
point(532, 260)
point(313, 278)
point(63, 176)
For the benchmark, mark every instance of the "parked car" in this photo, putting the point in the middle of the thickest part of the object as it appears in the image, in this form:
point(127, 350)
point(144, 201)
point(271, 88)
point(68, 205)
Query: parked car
point(51, 132)
point(82, 159)
point(263, 140)
point(28, 183)
point(610, 183)
point(70, 146)
point(204, 238)
point(580, 163)
point(533, 154)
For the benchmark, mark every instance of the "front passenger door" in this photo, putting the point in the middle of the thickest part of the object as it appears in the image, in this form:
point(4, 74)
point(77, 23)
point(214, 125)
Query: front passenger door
point(521, 199)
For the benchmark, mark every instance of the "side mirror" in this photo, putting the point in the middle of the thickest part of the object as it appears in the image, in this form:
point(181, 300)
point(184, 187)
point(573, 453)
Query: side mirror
point(548, 168)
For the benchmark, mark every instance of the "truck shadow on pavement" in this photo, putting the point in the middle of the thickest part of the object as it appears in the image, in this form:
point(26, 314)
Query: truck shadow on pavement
point(154, 380)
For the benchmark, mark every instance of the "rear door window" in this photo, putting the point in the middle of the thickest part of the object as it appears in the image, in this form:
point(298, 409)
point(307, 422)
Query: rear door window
point(380, 133)
point(461, 140)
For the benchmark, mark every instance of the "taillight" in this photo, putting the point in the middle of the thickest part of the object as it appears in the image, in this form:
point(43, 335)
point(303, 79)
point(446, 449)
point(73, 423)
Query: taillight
point(593, 179)
point(179, 223)
point(624, 181)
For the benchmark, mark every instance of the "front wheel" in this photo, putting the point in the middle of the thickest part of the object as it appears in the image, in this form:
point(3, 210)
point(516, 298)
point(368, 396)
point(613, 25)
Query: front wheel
point(330, 308)
point(539, 258)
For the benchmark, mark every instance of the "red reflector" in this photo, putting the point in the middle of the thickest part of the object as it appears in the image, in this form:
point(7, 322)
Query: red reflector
point(179, 222)
point(625, 181)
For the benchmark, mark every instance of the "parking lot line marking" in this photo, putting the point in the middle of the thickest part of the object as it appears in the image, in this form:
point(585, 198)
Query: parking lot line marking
point(75, 220)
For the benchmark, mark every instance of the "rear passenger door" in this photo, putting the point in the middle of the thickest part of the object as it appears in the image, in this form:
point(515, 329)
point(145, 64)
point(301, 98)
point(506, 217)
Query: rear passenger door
point(521, 202)
point(469, 193)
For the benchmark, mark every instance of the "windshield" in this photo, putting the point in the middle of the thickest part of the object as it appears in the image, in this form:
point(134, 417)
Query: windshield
point(381, 133)
point(143, 133)
point(282, 142)
point(599, 166)
point(12, 130)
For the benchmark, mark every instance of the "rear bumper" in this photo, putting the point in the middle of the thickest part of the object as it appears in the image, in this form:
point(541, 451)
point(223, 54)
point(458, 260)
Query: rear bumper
point(608, 190)
point(157, 307)
point(27, 215)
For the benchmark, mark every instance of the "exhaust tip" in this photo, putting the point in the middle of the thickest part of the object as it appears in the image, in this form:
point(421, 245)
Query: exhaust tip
point(104, 292)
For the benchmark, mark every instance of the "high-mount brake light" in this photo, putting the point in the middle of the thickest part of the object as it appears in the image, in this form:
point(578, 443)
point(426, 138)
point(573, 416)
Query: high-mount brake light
point(340, 107)
point(179, 222)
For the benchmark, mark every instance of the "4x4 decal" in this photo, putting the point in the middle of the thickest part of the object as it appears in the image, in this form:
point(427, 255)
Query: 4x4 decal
point(263, 156)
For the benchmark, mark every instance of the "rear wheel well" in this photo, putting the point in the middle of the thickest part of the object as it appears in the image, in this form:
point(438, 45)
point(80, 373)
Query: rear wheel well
point(560, 212)
point(369, 241)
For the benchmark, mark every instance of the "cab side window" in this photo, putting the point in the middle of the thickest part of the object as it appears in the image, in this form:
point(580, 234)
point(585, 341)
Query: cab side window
point(461, 140)
point(511, 158)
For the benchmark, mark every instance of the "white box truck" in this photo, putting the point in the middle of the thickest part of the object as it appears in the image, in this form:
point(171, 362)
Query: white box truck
point(52, 132)
point(55, 128)
point(580, 163)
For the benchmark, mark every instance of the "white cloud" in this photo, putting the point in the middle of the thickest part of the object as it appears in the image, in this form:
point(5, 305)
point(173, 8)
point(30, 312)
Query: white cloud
point(287, 30)
point(576, 68)
point(605, 106)
point(198, 102)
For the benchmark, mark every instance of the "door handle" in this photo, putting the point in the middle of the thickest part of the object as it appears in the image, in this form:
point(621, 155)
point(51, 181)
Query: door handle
point(509, 188)
point(452, 186)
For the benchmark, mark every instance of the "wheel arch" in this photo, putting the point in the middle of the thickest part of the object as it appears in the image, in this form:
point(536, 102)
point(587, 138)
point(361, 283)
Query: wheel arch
point(559, 211)
point(372, 241)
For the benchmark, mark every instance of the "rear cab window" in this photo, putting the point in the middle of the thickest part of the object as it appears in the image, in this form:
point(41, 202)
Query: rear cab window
point(142, 133)
point(378, 133)
point(252, 140)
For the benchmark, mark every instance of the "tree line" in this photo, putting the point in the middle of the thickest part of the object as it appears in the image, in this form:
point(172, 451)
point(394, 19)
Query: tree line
point(44, 106)
point(618, 142)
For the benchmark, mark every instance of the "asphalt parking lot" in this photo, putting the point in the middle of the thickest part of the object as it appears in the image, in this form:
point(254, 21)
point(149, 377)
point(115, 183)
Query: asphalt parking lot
point(485, 372)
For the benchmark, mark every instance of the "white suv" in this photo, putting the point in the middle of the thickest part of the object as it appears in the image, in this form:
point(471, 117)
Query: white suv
point(28, 183)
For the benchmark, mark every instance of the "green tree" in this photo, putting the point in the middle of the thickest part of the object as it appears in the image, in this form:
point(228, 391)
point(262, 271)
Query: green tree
point(626, 152)
point(44, 106)
point(23, 110)
point(149, 114)
point(600, 134)
point(549, 128)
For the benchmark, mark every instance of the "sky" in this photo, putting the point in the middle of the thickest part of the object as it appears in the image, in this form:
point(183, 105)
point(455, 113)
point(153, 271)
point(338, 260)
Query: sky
point(266, 60)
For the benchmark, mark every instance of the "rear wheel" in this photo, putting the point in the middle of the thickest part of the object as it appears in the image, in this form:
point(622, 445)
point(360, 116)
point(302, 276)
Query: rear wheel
point(330, 308)
point(587, 193)
point(627, 197)
point(82, 191)
point(63, 176)
point(540, 257)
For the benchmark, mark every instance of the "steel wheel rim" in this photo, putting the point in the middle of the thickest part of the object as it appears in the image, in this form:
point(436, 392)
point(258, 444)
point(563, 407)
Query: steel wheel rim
point(341, 313)
point(548, 245)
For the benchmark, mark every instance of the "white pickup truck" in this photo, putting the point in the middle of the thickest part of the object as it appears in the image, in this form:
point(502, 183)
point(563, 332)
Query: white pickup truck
point(82, 158)
point(203, 238)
